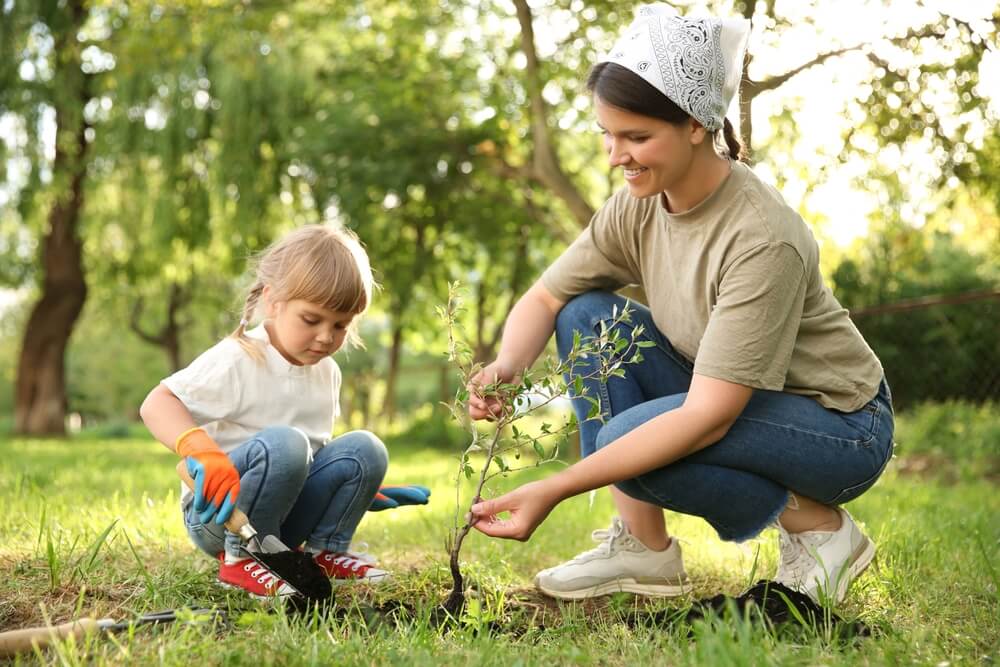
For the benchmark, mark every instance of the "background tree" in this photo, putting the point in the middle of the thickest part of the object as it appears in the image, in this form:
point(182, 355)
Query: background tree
point(41, 44)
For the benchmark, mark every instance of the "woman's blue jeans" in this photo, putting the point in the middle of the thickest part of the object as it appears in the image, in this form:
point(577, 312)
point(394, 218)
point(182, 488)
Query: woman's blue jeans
point(288, 492)
point(781, 442)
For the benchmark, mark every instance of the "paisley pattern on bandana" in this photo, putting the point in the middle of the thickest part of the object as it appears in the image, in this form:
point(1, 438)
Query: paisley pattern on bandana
point(686, 59)
point(691, 65)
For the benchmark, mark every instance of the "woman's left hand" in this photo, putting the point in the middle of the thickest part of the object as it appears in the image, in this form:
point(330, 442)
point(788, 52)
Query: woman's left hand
point(528, 506)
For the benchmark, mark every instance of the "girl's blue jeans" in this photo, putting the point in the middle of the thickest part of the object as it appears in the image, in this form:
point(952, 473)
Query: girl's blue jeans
point(296, 496)
point(781, 442)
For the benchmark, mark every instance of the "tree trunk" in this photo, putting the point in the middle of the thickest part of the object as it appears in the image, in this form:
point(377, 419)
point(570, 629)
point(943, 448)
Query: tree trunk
point(169, 335)
point(392, 376)
point(40, 395)
point(746, 91)
point(545, 166)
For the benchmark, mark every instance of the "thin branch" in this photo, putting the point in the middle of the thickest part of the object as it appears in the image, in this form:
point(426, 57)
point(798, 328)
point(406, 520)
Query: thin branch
point(770, 83)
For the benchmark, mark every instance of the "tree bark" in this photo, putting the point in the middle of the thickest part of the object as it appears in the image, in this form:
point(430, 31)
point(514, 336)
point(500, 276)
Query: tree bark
point(169, 335)
point(545, 167)
point(40, 396)
point(392, 376)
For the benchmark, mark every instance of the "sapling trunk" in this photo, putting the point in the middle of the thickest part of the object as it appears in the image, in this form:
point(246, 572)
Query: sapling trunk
point(456, 599)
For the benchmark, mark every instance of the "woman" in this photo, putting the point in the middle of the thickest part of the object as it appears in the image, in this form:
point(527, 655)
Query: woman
point(760, 403)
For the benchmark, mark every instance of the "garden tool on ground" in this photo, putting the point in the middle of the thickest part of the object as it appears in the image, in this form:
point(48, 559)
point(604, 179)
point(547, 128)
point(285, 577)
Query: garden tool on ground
point(26, 639)
point(297, 569)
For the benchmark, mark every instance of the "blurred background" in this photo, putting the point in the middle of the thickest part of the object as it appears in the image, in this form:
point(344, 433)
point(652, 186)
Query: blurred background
point(148, 148)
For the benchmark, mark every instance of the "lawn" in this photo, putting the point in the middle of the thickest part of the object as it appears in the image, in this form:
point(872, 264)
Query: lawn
point(91, 527)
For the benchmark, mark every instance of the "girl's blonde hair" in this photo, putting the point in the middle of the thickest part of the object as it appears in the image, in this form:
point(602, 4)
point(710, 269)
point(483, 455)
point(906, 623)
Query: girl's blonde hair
point(321, 264)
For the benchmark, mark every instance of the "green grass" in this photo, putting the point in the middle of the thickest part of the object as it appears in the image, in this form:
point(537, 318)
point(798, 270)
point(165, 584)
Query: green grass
point(91, 527)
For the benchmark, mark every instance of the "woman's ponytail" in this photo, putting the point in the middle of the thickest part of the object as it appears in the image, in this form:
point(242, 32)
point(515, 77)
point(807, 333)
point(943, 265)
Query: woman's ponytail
point(733, 144)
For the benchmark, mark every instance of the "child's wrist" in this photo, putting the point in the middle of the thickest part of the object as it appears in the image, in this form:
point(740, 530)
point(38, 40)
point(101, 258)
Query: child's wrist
point(193, 441)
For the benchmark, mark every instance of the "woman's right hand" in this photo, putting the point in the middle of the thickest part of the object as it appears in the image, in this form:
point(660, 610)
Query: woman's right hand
point(489, 406)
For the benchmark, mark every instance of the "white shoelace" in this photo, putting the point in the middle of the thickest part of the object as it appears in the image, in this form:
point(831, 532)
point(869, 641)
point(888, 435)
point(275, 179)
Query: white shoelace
point(262, 574)
point(345, 561)
point(797, 557)
point(359, 551)
point(609, 538)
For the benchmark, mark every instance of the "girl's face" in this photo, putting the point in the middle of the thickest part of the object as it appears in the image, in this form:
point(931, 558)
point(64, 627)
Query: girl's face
point(655, 155)
point(304, 332)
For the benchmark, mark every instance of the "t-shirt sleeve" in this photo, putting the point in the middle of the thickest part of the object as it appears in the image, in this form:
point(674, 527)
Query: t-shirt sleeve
point(597, 259)
point(752, 329)
point(210, 387)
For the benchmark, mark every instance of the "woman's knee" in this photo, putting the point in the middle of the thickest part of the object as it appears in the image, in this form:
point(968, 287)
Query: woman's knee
point(624, 422)
point(581, 312)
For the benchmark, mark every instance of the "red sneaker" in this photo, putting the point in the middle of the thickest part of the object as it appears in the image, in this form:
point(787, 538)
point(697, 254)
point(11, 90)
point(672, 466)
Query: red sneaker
point(341, 567)
point(252, 577)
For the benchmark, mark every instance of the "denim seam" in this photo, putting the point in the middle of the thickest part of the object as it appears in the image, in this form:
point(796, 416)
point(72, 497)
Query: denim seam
point(361, 474)
point(848, 491)
point(604, 395)
point(794, 429)
point(261, 450)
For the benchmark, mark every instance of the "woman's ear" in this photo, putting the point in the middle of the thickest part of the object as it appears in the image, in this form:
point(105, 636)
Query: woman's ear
point(697, 133)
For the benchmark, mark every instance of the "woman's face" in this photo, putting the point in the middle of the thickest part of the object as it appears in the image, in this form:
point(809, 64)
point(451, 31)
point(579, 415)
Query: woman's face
point(654, 154)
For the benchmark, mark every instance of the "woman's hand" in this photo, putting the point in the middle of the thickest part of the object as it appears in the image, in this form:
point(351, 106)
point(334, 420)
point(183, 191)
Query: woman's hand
point(528, 506)
point(491, 406)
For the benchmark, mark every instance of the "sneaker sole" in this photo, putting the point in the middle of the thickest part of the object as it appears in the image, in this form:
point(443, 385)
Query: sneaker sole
point(627, 585)
point(361, 580)
point(860, 561)
point(262, 598)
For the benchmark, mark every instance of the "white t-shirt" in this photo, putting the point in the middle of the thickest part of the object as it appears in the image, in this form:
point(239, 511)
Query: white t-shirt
point(234, 396)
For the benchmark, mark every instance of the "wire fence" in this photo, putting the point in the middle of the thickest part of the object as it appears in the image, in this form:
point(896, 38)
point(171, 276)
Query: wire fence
point(937, 348)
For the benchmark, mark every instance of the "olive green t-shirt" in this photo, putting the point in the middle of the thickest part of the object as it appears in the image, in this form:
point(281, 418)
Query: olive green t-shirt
point(734, 284)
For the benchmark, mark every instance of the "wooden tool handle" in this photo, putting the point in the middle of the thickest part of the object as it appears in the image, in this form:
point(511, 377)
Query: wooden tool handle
point(18, 641)
point(237, 520)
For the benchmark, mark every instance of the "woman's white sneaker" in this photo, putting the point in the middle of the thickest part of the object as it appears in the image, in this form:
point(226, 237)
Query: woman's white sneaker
point(822, 564)
point(620, 563)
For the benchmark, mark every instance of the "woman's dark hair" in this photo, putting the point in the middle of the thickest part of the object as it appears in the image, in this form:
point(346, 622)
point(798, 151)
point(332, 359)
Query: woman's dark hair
point(623, 88)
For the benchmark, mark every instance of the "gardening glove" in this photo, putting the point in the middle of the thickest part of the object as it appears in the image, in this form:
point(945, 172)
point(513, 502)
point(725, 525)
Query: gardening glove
point(389, 497)
point(216, 480)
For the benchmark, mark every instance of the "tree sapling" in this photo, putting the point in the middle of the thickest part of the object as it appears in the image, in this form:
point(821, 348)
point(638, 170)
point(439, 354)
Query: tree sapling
point(600, 356)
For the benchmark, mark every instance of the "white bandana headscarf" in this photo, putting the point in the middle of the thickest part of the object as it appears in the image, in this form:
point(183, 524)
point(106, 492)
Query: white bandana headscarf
point(696, 62)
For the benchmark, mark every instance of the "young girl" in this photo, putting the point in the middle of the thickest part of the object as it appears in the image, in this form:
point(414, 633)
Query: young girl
point(252, 418)
point(760, 403)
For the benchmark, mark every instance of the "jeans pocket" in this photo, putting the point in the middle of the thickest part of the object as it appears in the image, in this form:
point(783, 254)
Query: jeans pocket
point(852, 492)
point(865, 422)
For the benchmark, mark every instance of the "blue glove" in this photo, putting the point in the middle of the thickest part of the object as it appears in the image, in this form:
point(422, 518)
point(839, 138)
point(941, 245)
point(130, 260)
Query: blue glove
point(389, 497)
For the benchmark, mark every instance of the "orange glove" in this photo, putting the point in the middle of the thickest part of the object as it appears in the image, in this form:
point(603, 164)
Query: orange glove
point(216, 480)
